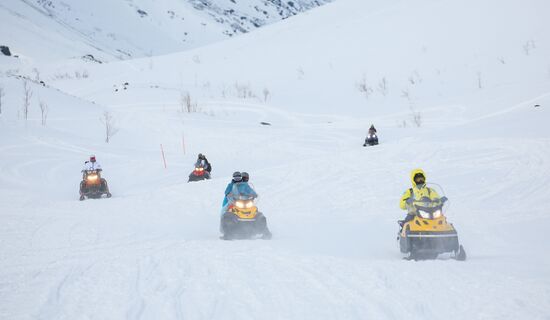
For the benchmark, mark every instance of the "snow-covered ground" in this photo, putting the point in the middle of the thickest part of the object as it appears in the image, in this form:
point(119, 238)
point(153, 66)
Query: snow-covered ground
point(477, 76)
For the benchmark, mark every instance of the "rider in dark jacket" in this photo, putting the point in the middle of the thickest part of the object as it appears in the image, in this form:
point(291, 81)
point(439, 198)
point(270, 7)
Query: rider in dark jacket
point(203, 162)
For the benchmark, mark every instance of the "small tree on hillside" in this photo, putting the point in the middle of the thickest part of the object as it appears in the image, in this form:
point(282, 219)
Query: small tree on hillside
point(479, 80)
point(186, 103)
point(109, 123)
point(43, 112)
point(27, 94)
point(266, 94)
point(363, 87)
point(383, 86)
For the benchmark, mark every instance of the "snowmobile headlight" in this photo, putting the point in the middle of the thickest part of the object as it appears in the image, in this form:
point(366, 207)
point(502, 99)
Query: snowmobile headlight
point(424, 214)
point(240, 204)
point(249, 204)
point(92, 177)
point(199, 169)
point(437, 214)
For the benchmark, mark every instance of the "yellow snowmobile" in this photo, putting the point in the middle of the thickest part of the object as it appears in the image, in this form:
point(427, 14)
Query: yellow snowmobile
point(241, 218)
point(429, 233)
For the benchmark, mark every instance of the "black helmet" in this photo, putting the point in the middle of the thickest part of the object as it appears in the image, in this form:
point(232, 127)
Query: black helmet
point(237, 177)
point(245, 176)
point(201, 156)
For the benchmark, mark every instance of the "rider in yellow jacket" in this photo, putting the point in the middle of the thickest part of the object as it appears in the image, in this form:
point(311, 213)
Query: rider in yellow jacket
point(417, 192)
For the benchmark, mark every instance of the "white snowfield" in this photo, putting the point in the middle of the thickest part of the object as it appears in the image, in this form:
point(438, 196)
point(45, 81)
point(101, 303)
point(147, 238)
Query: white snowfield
point(474, 74)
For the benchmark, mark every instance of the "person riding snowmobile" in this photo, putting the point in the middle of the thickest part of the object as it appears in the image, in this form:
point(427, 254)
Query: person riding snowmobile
point(244, 187)
point(240, 217)
point(237, 177)
point(417, 192)
point(203, 162)
point(425, 233)
point(372, 129)
point(94, 168)
point(372, 138)
point(91, 164)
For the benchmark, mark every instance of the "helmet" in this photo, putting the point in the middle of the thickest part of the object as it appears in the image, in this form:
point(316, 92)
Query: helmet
point(92, 158)
point(237, 177)
point(245, 176)
point(200, 156)
point(418, 177)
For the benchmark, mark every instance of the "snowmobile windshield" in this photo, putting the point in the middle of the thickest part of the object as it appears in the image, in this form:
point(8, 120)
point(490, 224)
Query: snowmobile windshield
point(431, 207)
point(243, 191)
point(427, 204)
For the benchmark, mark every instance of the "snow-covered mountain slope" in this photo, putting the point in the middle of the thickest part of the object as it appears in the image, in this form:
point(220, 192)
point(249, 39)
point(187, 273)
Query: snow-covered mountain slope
point(385, 57)
point(467, 102)
point(120, 29)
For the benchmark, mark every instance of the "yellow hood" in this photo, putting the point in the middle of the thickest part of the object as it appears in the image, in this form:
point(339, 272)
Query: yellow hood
point(414, 172)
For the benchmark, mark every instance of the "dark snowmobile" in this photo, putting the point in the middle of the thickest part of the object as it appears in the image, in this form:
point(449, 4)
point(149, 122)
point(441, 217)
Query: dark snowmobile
point(371, 140)
point(93, 185)
point(198, 174)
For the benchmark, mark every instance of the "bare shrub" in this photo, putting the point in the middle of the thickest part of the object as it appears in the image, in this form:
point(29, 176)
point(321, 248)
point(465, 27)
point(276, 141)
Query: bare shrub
point(383, 86)
point(301, 73)
point(266, 94)
point(36, 74)
point(528, 47)
point(244, 91)
point(363, 87)
point(406, 94)
point(43, 112)
point(62, 76)
point(479, 80)
point(185, 99)
point(401, 124)
point(2, 94)
point(415, 78)
point(415, 115)
point(109, 124)
point(187, 104)
point(224, 91)
point(27, 94)
point(417, 118)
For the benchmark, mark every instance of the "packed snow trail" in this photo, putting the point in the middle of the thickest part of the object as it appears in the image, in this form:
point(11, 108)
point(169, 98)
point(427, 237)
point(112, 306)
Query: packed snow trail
point(459, 104)
point(153, 250)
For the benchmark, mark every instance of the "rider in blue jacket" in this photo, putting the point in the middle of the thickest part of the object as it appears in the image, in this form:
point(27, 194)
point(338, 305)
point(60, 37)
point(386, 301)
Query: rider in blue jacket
point(240, 185)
